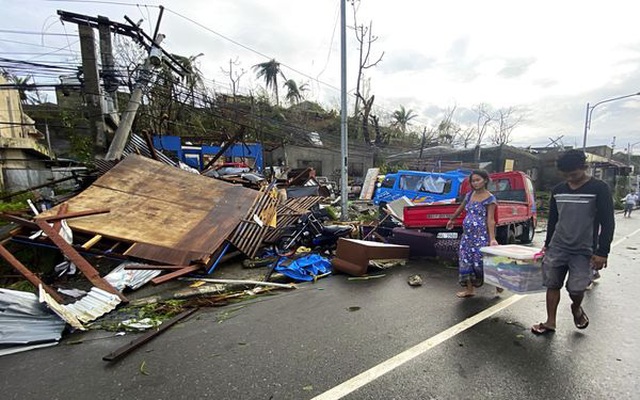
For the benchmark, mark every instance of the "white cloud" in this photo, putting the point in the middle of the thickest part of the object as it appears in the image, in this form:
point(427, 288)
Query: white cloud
point(546, 58)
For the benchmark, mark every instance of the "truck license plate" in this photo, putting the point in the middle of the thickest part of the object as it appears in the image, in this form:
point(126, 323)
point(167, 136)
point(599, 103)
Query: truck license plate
point(447, 235)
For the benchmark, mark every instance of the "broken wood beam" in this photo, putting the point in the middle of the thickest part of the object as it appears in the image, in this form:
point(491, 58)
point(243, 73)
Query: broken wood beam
point(175, 274)
point(57, 225)
point(148, 267)
point(83, 265)
point(91, 242)
point(134, 344)
point(30, 276)
point(18, 220)
point(76, 214)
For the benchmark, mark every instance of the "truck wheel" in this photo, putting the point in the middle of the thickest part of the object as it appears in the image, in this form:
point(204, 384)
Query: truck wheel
point(528, 232)
point(511, 236)
point(505, 235)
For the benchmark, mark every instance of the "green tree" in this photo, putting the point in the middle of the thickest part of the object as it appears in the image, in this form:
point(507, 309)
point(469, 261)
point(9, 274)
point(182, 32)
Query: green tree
point(269, 71)
point(294, 92)
point(401, 119)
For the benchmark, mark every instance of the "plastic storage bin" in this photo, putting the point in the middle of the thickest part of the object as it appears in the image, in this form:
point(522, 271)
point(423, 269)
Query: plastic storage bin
point(513, 267)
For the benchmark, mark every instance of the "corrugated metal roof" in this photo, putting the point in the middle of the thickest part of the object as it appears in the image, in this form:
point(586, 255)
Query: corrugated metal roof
point(24, 320)
point(95, 304)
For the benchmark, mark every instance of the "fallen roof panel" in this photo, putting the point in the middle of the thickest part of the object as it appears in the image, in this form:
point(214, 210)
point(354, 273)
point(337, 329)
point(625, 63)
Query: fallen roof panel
point(173, 216)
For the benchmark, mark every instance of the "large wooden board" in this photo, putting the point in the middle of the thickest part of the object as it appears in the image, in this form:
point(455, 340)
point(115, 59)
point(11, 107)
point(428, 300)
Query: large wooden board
point(178, 214)
point(369, 184)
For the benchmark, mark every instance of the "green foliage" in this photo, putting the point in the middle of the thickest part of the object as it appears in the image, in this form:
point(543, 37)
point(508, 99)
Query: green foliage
point(81, 148)
point(17, 203)
point(23, 286)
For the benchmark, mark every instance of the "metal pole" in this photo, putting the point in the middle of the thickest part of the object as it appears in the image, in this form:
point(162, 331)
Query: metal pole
point(343, 114)
point(587, 120)
point(586, 128)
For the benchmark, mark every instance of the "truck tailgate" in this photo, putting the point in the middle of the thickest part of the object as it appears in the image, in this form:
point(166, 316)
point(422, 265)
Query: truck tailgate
point(430, 215)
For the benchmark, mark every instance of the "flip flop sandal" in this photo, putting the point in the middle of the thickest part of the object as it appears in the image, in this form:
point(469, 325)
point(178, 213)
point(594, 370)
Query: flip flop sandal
point(542, 329)
point(582, 321)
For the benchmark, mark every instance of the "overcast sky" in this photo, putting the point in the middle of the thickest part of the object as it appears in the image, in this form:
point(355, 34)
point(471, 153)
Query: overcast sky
point(546, 59)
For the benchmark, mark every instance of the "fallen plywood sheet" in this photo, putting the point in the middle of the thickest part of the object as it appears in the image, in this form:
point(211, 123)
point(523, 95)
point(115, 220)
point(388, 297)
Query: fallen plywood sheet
point(352, 255)
point(369, 184)
point(171, 215)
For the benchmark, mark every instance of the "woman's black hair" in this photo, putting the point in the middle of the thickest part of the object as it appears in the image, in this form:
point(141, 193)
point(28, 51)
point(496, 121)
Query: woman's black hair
point(571, 160)
point(484, 174)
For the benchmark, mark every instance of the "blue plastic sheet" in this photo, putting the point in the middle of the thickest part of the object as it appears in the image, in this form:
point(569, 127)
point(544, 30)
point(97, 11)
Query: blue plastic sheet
point(305, 268)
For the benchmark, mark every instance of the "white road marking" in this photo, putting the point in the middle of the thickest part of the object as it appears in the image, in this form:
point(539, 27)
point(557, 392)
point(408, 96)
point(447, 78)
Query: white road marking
point(622, 239)
point(394, 362)
point(374, 373)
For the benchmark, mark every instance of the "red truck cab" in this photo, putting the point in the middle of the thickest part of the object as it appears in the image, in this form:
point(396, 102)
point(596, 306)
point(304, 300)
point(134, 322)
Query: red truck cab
point(516, 217)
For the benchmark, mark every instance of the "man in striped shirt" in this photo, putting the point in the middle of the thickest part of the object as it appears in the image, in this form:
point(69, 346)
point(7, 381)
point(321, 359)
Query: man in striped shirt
point(579, 234)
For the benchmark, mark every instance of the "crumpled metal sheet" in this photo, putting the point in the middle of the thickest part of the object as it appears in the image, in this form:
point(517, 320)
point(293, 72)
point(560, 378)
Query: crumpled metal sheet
point(24, 320)
point(95, 304)
point(120, 278)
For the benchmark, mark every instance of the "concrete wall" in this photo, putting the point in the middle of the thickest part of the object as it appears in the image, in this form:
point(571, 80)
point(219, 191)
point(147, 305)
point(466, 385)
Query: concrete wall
point(326, 161)
point(10, 112)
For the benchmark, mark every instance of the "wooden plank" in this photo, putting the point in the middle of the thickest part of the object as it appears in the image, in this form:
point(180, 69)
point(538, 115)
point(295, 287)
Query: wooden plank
point(57, 225)
point(83, 265)
point(155, 180)
point(369, 184)
point(151, 267)
point(20, 221)
point(134, 344)
point(63, 215)
point(165, 255)
point(91, 242)
point(176, 274)
point(30, 276)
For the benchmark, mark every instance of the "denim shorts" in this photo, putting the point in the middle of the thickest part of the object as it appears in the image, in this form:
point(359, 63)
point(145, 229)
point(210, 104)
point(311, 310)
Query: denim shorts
point(557, 263)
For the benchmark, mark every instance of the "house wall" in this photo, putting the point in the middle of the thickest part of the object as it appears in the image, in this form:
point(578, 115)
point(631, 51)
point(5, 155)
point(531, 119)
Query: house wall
point(325, 161)
point(10, 112)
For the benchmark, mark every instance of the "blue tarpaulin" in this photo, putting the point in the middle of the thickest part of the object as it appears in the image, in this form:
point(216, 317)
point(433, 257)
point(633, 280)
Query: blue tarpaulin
point(304, 268)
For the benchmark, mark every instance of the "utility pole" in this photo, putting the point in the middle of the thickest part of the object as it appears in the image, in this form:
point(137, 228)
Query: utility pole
point(344, 137)
point(91, 88)
point(109, 74)
point(128, 116)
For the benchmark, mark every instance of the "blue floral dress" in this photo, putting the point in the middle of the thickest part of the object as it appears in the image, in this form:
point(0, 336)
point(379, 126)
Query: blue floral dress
point(474, 236)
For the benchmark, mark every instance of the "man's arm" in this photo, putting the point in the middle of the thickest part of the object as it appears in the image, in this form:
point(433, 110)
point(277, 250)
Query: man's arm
point(553, 218)
point(606, 220)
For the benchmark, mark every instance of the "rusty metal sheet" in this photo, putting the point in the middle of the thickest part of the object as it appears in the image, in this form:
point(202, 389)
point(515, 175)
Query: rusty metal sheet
point(171, 215)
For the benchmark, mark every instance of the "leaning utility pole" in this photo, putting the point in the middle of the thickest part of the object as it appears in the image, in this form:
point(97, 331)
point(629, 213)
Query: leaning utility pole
point(121, 136)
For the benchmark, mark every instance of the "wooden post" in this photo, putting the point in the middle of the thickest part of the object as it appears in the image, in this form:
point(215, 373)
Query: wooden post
point(83, 265)
point(30, 276)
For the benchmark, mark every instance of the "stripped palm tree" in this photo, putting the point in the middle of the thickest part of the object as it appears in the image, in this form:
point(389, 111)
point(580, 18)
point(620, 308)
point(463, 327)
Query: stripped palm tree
point(294, 92)
point(401, 118)
point(269, 71)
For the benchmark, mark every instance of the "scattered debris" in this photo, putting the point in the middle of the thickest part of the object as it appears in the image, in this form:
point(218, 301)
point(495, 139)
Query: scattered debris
point(134, 344)
point(365, 278)
point(415, 280)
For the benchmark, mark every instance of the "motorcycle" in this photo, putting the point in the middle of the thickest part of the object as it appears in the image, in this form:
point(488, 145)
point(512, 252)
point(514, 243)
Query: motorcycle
point(309, 231)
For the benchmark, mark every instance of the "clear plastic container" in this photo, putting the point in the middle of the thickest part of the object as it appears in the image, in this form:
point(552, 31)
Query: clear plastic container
point(513, 267)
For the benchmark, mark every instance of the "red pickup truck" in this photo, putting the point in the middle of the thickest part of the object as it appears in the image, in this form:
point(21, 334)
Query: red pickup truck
point(515, 215)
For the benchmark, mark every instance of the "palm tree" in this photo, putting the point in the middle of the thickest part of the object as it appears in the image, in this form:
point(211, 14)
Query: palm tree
point(270, 71)
point(23, 86)
point(401, 118)
point(294, 92)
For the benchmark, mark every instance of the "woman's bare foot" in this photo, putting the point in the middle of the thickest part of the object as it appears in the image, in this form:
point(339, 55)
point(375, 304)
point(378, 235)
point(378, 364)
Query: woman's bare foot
point(464, 294)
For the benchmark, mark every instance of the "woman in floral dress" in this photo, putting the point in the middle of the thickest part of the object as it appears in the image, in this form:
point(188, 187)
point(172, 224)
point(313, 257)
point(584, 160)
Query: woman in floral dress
point(478, 231)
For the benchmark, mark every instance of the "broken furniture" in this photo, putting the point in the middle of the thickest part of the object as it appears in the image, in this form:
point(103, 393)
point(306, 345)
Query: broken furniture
point(353, 256)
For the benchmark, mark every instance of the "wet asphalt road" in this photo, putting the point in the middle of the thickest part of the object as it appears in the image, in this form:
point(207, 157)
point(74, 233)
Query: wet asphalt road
point(300, 344)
